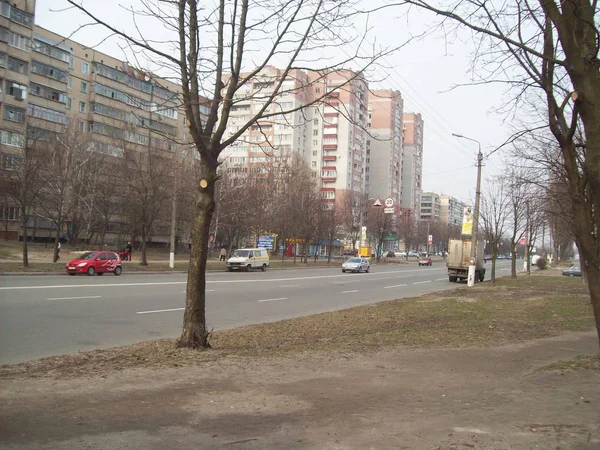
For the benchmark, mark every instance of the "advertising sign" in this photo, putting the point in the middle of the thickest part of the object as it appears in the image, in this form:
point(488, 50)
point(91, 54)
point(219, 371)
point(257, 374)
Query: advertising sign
point(430, 239)
point(523, 240)
point(467, 223)
point(267, 241)
point(363, 233)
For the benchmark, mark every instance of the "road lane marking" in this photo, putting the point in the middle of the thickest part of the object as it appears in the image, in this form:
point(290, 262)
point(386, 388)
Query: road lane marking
point(160, 310)
point(169, 283)
point(272, 299)
point(74, 298)
point(207, 290)
point(350, 292)
point(441, 279)
point(289, 285)
point(422, 282)
point(394, 286)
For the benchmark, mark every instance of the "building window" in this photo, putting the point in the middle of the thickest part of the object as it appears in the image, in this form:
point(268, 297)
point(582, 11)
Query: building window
point(85, 67)
point(15, 40)
point(315, 152)
point(16, 65)
point(11, 162)
point(48, 93)
point(9, 212)
point(14, 114)
point(84, 87)
point(315, 132)
point(46, 114)
point(69, 82)
point(11, 138)
point(49, 71)
point(316, 121)
point(81, 107)
point(68, 104)
point(313, 164)
point(317, 90)
point(81, 126)
point(51, 50)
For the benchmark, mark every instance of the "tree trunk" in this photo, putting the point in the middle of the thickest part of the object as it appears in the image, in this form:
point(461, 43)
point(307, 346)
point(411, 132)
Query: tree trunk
point(24, 227)
point(494, 256)
point(144, 247)
point(527, 259)
point(513, 261)
point(194, 333)
point(56, 241)
point(593, 281)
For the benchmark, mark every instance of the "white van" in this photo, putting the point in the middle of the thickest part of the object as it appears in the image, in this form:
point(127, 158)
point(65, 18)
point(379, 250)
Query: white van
point(248, 258)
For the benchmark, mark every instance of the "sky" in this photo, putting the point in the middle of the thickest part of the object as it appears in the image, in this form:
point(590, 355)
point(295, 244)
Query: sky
point(425, 71)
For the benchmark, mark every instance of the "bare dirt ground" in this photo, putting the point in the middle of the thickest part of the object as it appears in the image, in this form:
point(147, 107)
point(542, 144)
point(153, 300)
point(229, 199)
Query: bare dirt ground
point(484, 398)
point(513, 366)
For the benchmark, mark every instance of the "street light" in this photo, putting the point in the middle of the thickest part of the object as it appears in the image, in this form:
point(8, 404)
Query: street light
point(471, 274)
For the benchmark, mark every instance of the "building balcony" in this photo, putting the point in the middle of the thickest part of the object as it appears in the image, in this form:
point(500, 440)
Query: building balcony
point(330, 136)
point(329, 158)
point(328, 179)
point(330, 125)
point(329, 146)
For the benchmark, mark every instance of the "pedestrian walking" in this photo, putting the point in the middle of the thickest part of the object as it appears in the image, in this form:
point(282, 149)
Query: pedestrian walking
point(129, 250)
point(58, 251)
point(223, 254)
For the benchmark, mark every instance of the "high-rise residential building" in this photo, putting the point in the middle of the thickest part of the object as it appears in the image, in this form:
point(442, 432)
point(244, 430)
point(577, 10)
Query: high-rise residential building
point(338, 131)
point(383, 173)
point(412, 165)
point(431, 207)
point(451, 210)
point(50, 82)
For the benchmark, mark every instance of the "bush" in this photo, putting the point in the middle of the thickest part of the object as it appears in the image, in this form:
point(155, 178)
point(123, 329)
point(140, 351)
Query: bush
point(542, 263)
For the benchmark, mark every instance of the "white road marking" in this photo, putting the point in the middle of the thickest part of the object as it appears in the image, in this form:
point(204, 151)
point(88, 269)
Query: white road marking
point(167, 283)
point(272, 299)
point(350, 292)
point(289, 285)
point(441, 279)
point(74, 298)
point(207, 290)
point(160, 310)
point(422, 282)
point(394, 286)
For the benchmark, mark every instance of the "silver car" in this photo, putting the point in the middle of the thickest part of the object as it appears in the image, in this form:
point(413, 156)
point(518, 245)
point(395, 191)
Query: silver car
point(356, 264)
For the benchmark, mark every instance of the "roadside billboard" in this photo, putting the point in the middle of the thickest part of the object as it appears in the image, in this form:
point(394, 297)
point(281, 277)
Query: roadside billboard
point(267, 241)
point(467, 223)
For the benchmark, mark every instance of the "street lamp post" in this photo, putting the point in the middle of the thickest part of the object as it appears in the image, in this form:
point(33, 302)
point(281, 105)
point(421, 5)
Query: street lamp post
point(473, 262)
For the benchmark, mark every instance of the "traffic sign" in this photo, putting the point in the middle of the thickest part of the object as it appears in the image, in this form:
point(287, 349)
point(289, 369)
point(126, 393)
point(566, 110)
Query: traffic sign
point(389, 202)
point(522, 241)
point(430, 239)
point(388, 210)
point(377, 202)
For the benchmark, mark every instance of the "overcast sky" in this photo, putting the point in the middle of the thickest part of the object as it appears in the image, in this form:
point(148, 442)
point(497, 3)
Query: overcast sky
point(424, 71)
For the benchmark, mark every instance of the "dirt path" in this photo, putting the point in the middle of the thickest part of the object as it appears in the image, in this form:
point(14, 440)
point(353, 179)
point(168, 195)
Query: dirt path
point(412, 399)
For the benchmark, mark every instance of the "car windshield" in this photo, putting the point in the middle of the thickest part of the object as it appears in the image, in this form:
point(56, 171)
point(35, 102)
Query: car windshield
point(354, 260)
point(241, 253)
point(89, 256)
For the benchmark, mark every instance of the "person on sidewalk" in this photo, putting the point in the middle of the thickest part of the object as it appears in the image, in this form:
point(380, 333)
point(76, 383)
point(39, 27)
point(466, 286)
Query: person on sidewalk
point(58, 251)
point(129, 250)
point(223, 254)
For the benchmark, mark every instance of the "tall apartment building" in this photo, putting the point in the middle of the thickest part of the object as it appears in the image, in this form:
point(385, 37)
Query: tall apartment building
point(50, 82)
point(412, 167)
point(451, 210)
point(330, 135)
point(275, 136)
point(431, 207)
point(383, 177)
point(338, 132)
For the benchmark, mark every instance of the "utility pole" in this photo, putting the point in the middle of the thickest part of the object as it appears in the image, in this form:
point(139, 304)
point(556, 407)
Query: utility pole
point(173, 225)
point(473, 262)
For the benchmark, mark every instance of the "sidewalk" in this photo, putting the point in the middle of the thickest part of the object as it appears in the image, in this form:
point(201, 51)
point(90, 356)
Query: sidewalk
point(482, 398)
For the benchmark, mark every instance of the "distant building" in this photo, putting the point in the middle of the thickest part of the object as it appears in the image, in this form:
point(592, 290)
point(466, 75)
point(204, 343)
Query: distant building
point(431, 207)
point(451, 210)
point(383, 174)
point(412, 165)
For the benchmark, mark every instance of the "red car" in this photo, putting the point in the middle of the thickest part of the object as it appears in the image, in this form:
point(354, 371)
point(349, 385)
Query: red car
point(425, 261)
point(96, 263)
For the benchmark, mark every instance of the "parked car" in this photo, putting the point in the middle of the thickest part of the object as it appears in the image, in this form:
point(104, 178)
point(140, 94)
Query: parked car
point(487, 258)
point(93, 263)
point(573, 271)
point(356, 264)
point(425, 261)
point(414, 254)
point(248, 258)
point(402, 254)
point(390, 254)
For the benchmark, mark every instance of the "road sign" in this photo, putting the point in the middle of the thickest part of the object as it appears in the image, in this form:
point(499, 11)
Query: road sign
point(522, 241)
point(430, 239)
point(377, 202)
point(388, 210)
point(389, 202)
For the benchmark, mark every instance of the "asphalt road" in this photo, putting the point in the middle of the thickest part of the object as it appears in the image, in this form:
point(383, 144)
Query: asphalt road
point(52, 315)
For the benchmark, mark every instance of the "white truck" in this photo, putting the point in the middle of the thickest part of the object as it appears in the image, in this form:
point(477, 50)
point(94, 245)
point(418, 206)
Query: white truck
point(459, 259)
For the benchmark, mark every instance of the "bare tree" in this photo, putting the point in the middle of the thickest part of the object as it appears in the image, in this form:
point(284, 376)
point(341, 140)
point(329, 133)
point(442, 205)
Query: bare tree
point(493, 216)
point(352, 207)
point(552, 50)
point(408, 233)
point(291, 33)
point(379, 227)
